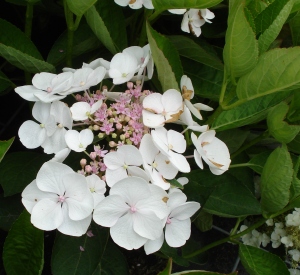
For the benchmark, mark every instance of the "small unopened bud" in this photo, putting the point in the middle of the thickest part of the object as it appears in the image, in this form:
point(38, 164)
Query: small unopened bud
point(114, 135)
point(122, 137)
point(129, 85)
point(96, 127)
point(112, 120)
point(88, 168)
point(78, 97)
point(104, 88)
point(119, 126)
point(83, 162)
point(100, 135)
point(128, 141)
point(98, 92)
point(112, 144)
point(91, 127)
point(103, 178)
point(131, 122)
point(93, 155)
point(127, 118)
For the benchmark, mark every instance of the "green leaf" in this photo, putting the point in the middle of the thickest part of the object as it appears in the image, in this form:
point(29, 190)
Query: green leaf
point(204, 221)
point(175, 183)
point(168, 269)
point(295, 29)
point(79, 7)
point(278, 128)
point(259, 262)
point(241, 49)
point(192, 245)
point(23, 251)
point(294, 110)
point(84, 41)
point(233, 138)
point(296, 6)
point(17, 170)
point(191, 50)
point(277, 70)
point(171, 252)
point(206, 80)
point(4, 146)
point(258, 162)
point(270, 22)
point(276, 180)
point(10, 209)
point(5, 82)
point(17, 49)
point(232, 199)
point(247, 113)
point(87, 255)
point(161, 5)
point(294, 145)
point(166, 59)
point(102, 20)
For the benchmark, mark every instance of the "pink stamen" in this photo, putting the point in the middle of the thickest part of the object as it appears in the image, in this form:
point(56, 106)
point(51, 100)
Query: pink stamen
point(133, 209)
point(168, 221)
point(49, 89)
point(61, 198)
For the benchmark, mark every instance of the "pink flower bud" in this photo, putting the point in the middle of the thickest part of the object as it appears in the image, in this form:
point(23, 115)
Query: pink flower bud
point(78, 97)
point(83, 162)
point(129, 85)
point(93, 155)
point(112, 144)
point(119, 126)
point(88, 168)
point(96, 127)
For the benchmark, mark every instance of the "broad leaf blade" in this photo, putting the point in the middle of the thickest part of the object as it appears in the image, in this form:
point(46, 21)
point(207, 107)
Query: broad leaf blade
point(17, 170)
point(277, 70)
point(166, 59)
point(161, 5)
point(102, 20)
point(191, 50)
point(276, 180)
point(241, 49)
point(259, 262)
point(271, 21)
point(4, 146)
point(23, 251)
point(79, 7)
point(295, 29)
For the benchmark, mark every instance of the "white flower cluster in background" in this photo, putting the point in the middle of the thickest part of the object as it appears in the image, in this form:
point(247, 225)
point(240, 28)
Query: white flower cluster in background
point(131, 154)
point(286, 232)
point(193, 19)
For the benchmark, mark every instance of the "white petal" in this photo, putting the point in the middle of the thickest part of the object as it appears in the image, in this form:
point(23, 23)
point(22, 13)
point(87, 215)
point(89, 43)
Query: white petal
point(123, 234)
point(27, 92)
point(198, 159)
point(152, 246)
point(152, 120)
point(176, 199)
point(132, 155)
point(62, 82)
point(47, 214)
point(137, 172)
point(177, 232)
point(109, 210)
point(72, 140)
point(165, 167)
point(80, 111)
point(62, 114)
point(180, 162)
point(61, 155)
point(172, 101)
point(177, 141)
point(113, 176)
point(153, 102)
point(41, 111)
point(185, 211)
point(148, 149)
point(96, 106)
point(177, 11)
point(43, 80)
point(31, 134)
point(56, 142)
point(113, 160)
point(73, 228)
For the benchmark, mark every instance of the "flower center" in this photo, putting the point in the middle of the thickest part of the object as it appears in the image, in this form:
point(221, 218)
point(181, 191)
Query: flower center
point(168, 221)
point(42, 125)
point(133, 209)
point(61, 198)
point(49, 89)
point(81, 83)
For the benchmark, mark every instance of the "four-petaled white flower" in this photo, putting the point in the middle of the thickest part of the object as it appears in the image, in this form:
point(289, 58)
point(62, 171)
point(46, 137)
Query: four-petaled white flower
point(134, 211)
point(82, 110)
point(59, 199)
point(79, 141)
point(97, 188)
point(162, 108)
point(213, 151)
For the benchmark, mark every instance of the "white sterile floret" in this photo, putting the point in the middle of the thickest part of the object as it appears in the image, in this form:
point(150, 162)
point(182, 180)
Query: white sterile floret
point(123, 66)
point(46, 87)
point(293, 219)
point(134, 211)
point(213, 151)
point(172, 144)
point(177, 224)
point(82, 110)
point(157, 165)
point(194, 19)
point(123, 163)
point(177, 11)
point(79, 141)
point(85, 78)
point(97, 188)
point(295, 253)
point(59, 199)
point(162, 108)
point(294, 271)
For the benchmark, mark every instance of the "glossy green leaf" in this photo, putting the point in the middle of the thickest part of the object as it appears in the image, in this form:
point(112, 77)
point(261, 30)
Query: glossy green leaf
point(270, 22)
point(102, 20)
point(17, 170)
point(17, 49)
point(5, 82)
point(23, 251)
point(276, 180)
point(247, 113)
point(259, 262)
point(79, 7)
point(10, 209)
point(232, 199)
point(278, 128)
point(233, 138)
point(166, 59)
point(4, 146)
point(258, 162)
point(296, 6)
point(191, 50)
point(204, 221)
point(294, 145)
point(175, 183)
point(241, 49)
point(161, 5)
point(193, 244)
point(207, 81)
point(87, 255)
point(84, 41)
point(168, 269)
point(295, 29)
point(293, 114)
point(277, 70)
